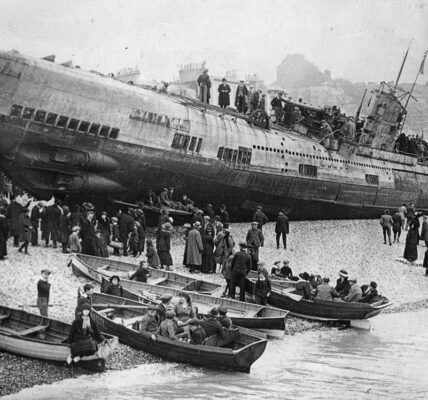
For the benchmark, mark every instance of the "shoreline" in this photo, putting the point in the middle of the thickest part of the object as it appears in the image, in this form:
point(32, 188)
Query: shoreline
point(356, 245)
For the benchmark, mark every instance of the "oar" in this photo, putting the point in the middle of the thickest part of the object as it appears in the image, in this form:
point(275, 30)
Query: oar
point(119, 306)
point(35, 305)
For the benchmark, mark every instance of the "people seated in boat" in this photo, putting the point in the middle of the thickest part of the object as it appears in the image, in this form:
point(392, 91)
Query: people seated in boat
point(224, 319)
point(315, 279)
point(84, 297)
point(369, 293)
point(284, 271)
point(303, 287)
point(115, 289)
point(150, 321)
point(141, 273)
point(184, 309)
point(342, 284)
point(197, 333)
point(355, 292)
point(163, 306)
point(212, 325)
point(84, 335)
point(261, 289)
point(276, 269)
point(168, 327)
point(325, 291)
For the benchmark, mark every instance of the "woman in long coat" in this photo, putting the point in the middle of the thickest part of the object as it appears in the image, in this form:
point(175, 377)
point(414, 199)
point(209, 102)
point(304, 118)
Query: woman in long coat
point(104, 227)
point(208, 263)
point(87, 233)
point(163, 246)
point(224, 248)
point(223, 96)
point(24, 227)
point(194, 248)
point(412, 240)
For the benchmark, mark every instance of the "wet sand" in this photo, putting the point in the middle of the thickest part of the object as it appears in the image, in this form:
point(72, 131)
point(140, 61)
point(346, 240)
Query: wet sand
point(326, 246)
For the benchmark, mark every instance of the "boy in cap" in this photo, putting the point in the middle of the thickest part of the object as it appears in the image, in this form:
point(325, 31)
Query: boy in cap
point(150, 322)
point(224, 319)
point(43, 291)
point(163, 306)
point(212, 325)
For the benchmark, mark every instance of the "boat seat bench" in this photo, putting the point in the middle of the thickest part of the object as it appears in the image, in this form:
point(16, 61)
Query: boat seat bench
point(24, 332)
point(106, 310)
point(132, 321)
point(157, 281)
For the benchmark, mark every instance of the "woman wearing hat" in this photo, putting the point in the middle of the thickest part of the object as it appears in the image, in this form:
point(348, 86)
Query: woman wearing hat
point(25, 227)
point(412, 240)
point(163, 246)
point(84, 335)
point(342, 284)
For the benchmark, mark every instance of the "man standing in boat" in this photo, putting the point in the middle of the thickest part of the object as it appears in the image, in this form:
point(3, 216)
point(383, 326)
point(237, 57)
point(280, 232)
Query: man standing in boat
point(241, 263)
point(204, 84)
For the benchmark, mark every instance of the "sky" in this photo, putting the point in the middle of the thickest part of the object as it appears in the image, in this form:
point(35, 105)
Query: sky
point(359, 40)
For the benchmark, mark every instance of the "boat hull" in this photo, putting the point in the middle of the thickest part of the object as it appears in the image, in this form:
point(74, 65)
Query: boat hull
point(263, 318)
point(322, 310)
point(177, 351)
point(35, 347)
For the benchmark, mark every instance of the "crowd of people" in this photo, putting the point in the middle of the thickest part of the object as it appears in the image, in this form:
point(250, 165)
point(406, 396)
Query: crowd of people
point(408, 219)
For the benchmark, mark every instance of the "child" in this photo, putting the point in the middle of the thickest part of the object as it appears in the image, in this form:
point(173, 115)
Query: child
point(43, 290)
point(261, 290)
point(100, 246)
point(152, 256)
point(227, 273)
point(74, 241)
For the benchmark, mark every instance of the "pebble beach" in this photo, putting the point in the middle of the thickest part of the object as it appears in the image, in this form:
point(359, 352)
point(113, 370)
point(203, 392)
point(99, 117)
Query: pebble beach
point(325, 246)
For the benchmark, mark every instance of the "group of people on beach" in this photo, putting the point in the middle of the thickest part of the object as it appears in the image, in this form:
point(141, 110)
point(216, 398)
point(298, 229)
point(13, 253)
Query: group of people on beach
point(406, 218)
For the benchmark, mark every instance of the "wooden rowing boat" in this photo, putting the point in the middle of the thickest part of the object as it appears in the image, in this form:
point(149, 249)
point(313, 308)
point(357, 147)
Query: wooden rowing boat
point(34, 336)
point(96, 268)
point(322, 310)
point(247, 315)
point(238, 352)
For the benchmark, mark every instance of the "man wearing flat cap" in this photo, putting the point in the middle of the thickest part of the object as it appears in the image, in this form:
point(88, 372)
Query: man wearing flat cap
point(255, 237)
point(241, 263)
point(212, 325)
point(204, 84)
point(260, 217)
point(162, 307)
point(43, 291)
point(150, 322)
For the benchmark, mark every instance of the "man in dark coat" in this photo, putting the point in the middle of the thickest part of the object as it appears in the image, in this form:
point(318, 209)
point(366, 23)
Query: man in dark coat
point(281, 228)
point(241, 263)
point(36, 215)
point(53, 214)
point(224, 216)
point(87, 233)
point(241, 94)
point(15, 210)
point(342, 284)
point(126, 225)
point(223, 97)
point(255, 237)
point(64, 228)
point(204, 84)
point(4, 233)
point(25, 227)
point(260, 217)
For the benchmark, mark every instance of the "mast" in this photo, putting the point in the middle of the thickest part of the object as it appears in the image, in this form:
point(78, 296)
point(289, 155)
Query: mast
point(402, 65)
point(357, 115)
point(420, 72)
